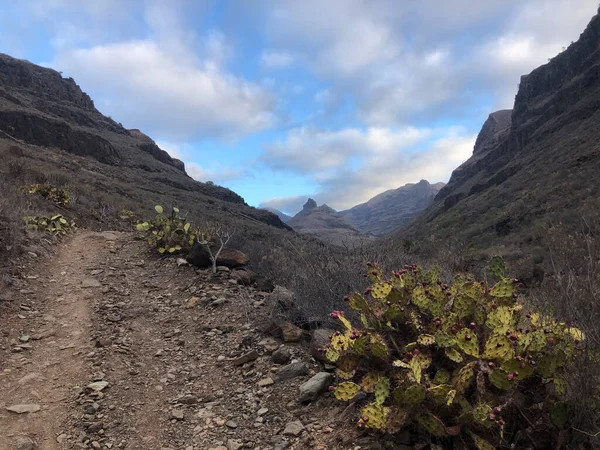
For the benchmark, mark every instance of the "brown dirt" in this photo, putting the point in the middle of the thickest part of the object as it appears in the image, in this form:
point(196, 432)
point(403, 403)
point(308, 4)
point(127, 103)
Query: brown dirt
point(164, 338)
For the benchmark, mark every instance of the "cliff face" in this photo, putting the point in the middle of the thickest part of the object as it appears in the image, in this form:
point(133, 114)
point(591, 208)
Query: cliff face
point(534, 165)
point(392, 209)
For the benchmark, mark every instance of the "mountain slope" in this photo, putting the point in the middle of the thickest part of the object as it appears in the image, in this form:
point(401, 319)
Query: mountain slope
point(282, 216)
point(392, 209)
point(535, 170)
point(324, 223)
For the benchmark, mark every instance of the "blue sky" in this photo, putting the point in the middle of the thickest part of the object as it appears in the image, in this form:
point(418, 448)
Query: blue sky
point(281, 100)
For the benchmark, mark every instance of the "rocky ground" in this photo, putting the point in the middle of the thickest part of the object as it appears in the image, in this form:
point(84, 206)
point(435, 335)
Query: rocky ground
point(104, 346)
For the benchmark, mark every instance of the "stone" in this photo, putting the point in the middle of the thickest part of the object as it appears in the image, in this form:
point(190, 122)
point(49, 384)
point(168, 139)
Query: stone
point(244, 277)
point(231, 424)
point(191, 302)
point(294, 428)
point(229, 257)
point(177, 414)
point(233, 444)
point(265, 382)
point(281, 356)
point(320, 338)
point(98, 386)
point(187, 399)
point(24, 408)
point(318, 384)
point(25, 443)
point(297, 369)
point(250, 356)
point(90, 283)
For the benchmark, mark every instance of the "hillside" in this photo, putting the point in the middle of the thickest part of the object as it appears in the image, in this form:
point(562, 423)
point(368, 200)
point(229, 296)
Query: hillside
point(392, 209)
point(282, 216)
point(533, 167)
point(50, 131)
point(324, 223)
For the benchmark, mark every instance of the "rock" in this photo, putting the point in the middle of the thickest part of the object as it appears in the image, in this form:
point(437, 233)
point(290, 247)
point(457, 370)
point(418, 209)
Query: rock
point(231, 424)
point(297, 369)
point(24, 408)
point(223, 269)
point(262, 411)
point(181, 262)
point(232, 444)
point(24, 443)
point(269, 344)
point(244, 277)
point(281, 356)
point(293, 428)
point(191, 302)
point(97, 386)
point(187, 399)
point(265, 382)
point(318, 384)
point(95, 427)
point(251, 356)
point(229, 257)
point(103, 342)
point(90, 283)
point(320, 338)
point(286, 331)
point(177, 414)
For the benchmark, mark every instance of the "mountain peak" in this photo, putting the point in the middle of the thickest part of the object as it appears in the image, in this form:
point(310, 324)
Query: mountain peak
point(309, 205)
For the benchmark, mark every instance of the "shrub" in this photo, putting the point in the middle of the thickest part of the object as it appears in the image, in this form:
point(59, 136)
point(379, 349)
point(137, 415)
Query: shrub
point(58, 196)
point(168, 232)
point(462, 361)
point(56, 225)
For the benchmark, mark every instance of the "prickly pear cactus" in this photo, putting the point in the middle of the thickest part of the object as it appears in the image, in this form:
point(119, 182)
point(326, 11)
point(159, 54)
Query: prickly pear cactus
point(443, 356)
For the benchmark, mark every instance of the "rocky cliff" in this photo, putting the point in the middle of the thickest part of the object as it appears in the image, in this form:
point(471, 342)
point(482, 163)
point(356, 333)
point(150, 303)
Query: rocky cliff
point(392, 209)
point(538, 166)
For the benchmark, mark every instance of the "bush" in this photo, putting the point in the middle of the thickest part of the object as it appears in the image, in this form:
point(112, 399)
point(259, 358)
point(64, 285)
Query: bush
point(462, 361)
point(56, 225)
point(168, 232)
point(58, 196)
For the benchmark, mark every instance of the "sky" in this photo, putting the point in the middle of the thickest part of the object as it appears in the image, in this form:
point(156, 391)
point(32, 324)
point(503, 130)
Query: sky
point(337, 100)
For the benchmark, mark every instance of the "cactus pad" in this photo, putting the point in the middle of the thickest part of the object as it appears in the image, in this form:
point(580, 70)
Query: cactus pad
point(463, 378)
point(382, 390)
point(481, 444)
point(559, 415)
point(466, 341)
point(432, 424)
point(381, 290)
point(497, 267)
point(441, 376)
point(377, 416)
point(378, 346)
point(346, 391)
point(357, 302)
point(332, 354)
point(453, 355)
point(498, 378)
point(443, 339)
point(369, 381)
point(348, 362)
point(411, 395)
point(359, 345)
point(481, 412)
point(498, 347)
point(503, 288)
point(426, 339)
point(396, 419)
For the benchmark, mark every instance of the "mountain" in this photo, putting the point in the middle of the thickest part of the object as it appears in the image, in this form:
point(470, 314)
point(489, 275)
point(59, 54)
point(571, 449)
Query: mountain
point(533, 167)
point(324, 223)
point(282, 216)
point(392, 209)
point(50, 131)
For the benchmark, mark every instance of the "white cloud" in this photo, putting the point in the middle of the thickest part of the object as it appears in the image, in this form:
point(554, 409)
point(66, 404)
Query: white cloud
point(276, 60)
point(351, 166)
point(177, 98)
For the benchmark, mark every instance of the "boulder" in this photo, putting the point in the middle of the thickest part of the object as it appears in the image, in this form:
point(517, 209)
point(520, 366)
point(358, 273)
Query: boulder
point(286, 331)
point(293, 370)
point(229, 257)
point(245, 277)
point(314, 387)
point(281, 356)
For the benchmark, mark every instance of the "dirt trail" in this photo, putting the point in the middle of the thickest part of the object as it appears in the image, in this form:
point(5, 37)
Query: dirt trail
point(162, 342)
point(47, 362)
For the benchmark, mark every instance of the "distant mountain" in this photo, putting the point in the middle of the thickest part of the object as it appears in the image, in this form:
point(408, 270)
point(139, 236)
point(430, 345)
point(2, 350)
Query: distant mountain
point(533, 167)
point(282, 216)
point(324, 223)
point(392, 209)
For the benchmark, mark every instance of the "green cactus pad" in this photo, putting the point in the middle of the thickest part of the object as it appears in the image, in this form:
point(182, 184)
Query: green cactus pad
point(450, 397)
point(381, 290)
point(464, 306)
point(411, 395)
point(560, 385)
point(418, 364)
point(497, 267)
point(374, 274)
point(463, 377)
point(441, 376)
point(453, 355)
point(359, 345)
point(503, 288)
point(369, 381)
point(382, 390)
point(522, 367)
point(498, 378)
point(339, 342)
point(481, 412)
point(501, 319)
point(332, 354)
point(378, 346)
point(432, 424)
point(466, 341)
point(358, 303)
point(346, 391)
point(420, 299)
point(348, 362)
point(498, 347)
point(432, 275)
point(439, 392)
point(443, 339)
point(344, 375)
point(377, 416)
point(426, 339)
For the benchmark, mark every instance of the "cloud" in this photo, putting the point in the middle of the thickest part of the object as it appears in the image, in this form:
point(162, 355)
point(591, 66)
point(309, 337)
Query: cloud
point(176, 98)
point(289, 205)
point(352, 165)
point(276, 60)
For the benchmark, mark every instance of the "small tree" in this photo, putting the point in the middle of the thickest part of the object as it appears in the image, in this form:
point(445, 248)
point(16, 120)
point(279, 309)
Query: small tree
point(208, 236)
